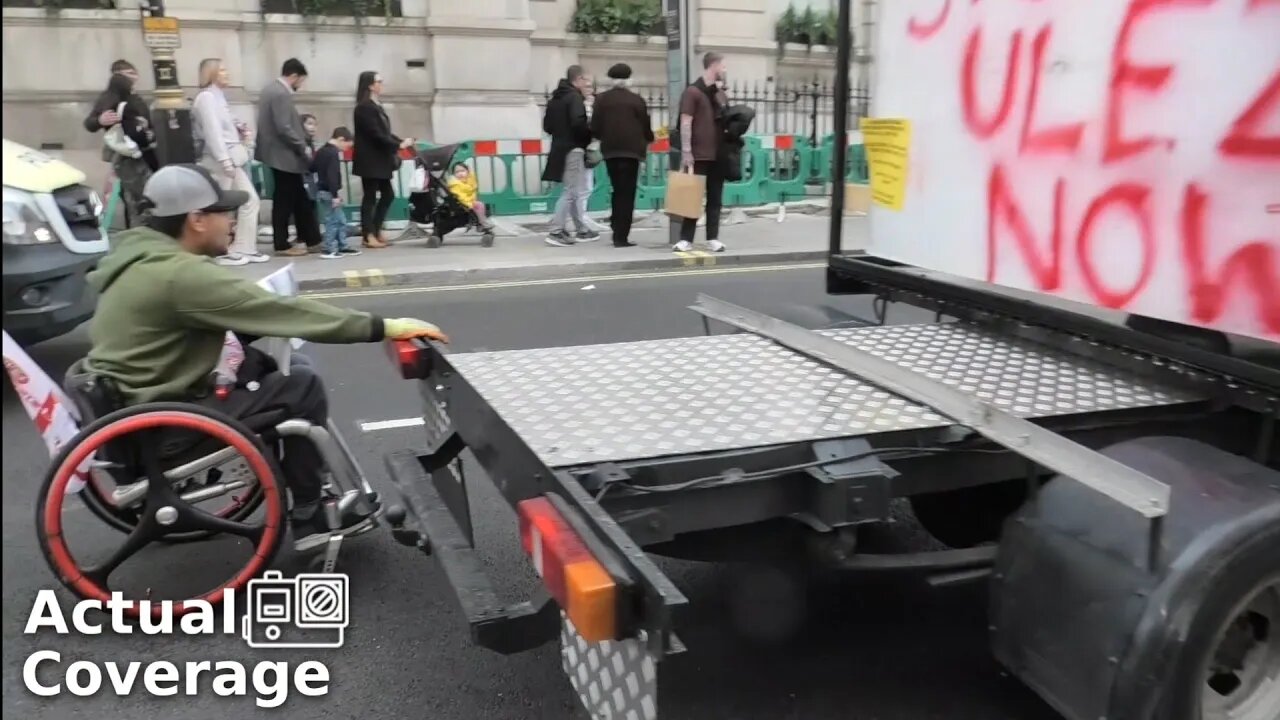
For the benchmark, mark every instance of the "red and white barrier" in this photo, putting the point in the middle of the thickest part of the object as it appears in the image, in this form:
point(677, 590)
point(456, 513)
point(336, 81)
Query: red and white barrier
point(492, 148)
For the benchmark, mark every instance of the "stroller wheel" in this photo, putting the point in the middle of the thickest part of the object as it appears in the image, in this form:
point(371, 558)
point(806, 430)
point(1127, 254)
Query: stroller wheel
point(435, 241)
point(486, 240)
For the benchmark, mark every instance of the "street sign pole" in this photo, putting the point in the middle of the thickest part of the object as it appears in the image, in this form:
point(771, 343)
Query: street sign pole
point(170, 115)
point(679, 45)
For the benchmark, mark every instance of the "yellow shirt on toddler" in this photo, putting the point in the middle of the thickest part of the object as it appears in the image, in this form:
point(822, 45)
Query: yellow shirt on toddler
point(464, 190)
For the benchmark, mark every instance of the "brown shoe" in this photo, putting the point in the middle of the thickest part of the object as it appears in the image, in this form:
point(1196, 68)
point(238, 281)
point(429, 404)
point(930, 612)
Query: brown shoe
point(375, 243)
point(295, 251)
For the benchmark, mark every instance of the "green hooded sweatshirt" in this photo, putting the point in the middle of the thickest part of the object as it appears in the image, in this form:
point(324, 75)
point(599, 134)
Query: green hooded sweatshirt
point(163, 314)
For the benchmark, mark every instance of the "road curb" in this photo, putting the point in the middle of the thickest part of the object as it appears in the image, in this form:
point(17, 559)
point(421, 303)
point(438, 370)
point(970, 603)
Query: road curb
point(362, 279)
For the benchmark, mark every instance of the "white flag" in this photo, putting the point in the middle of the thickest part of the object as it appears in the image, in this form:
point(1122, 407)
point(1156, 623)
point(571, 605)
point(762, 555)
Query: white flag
point(56, 418)
point(280, 282)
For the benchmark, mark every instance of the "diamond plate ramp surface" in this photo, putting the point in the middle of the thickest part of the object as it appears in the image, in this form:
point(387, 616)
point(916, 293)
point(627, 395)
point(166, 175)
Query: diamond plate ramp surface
point(641, 400)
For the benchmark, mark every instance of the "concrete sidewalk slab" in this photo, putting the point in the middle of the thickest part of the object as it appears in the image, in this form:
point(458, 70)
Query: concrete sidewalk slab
point(461, 261)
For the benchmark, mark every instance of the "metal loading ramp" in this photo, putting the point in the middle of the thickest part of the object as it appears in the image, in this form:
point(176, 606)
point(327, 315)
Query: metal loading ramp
point(644, 400)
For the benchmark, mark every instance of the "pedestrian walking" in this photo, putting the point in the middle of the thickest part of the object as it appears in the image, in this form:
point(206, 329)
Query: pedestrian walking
point(702, 125)
point(282, 148)
point(129, 141)
point(621, 122)
point(377, 157)
point(220, 139)
point(566, 122)
point(327, 168)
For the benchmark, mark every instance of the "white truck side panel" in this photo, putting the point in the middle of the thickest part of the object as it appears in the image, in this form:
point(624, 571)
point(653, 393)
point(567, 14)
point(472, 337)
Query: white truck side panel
point(1123, 153)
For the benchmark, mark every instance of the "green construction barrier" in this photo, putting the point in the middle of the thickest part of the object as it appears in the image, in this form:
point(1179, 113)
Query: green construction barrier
point(774, 169)
point(855, 160)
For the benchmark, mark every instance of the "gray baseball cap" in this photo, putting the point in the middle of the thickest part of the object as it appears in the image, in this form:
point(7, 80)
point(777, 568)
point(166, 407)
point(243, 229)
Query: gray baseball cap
point(182, 189)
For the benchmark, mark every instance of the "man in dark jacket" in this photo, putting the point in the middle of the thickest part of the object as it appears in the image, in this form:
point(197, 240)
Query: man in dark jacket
point(282, 147)
point(566, 122)
point(135, 120)
point(165, 308)
point(621, 122)
point(702, 125)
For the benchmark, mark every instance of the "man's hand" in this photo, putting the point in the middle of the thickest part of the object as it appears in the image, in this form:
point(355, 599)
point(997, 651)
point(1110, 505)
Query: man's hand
point(686, 162)
point(108, 118)
point(337, 201)
point(229, 168)
point(409, 328)
point(406, 143)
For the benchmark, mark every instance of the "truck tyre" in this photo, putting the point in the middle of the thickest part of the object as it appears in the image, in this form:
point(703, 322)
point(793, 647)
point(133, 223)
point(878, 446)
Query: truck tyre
point(1229, 667)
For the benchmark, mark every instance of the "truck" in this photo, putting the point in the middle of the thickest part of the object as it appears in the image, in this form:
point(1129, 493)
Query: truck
point(53, 237)
point(1089, 203)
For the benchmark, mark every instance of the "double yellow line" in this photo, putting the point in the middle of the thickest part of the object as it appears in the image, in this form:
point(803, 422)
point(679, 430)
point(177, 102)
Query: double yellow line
point(357, 278)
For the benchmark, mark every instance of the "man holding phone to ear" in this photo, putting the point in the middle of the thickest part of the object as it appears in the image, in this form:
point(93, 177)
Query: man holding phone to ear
point(702, 109)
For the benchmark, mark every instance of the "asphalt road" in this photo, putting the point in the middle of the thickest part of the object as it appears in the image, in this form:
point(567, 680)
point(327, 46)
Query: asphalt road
point(865, 652)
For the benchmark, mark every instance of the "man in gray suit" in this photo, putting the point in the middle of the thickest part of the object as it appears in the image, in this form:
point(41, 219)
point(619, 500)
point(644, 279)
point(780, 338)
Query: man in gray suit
point(282, 147)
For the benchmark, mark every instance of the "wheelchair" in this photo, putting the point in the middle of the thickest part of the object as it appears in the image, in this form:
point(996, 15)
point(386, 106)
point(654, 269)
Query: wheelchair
point(146, 469)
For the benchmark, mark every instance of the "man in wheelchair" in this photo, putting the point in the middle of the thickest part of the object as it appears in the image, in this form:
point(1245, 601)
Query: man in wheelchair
point(163, 313)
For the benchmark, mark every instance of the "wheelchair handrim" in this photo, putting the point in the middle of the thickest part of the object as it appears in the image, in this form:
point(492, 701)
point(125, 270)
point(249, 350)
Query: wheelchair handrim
point(60, 554)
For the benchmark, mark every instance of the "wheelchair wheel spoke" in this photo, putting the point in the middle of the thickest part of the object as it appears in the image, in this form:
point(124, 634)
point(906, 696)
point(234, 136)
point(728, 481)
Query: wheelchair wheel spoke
point(141, 536)
point(200, 520)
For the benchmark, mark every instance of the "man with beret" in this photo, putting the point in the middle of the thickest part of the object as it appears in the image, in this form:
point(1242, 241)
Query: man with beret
point(621, 123)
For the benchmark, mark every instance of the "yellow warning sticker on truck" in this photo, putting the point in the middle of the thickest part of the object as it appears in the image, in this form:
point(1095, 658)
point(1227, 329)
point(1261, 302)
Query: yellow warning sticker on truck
point(888, 144)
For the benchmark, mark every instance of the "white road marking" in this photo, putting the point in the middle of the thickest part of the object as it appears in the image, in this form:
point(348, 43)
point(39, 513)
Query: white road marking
point(564, 281)
point(391, 424)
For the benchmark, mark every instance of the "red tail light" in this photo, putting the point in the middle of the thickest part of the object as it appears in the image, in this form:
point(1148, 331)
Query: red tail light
point(574, 577)
point(410, 358)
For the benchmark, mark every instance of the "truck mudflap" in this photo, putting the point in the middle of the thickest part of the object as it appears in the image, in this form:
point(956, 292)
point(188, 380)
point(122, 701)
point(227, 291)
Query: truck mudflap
point(1080, 615)
point(613, 679)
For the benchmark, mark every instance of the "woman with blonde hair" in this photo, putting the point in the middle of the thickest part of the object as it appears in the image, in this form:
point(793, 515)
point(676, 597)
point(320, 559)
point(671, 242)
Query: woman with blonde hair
point(220, 141)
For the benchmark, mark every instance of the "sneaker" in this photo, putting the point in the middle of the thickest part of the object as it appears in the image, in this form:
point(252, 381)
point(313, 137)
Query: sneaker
point(335, 255)
point(587, 236)
point(256, 257)
point(232, 260)
point(559, 238)
point(682, 246)
point(716, 246)
point(349, 252)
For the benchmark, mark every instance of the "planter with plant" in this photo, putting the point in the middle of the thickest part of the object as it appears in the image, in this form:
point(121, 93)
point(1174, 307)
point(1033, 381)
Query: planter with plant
point(617, 17)
point(808, 27)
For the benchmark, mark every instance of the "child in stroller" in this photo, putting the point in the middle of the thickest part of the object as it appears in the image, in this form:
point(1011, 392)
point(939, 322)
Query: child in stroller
point(432, 202)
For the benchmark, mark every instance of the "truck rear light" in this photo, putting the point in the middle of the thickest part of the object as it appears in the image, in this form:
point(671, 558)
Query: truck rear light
point(581, 585)
point(410, 358)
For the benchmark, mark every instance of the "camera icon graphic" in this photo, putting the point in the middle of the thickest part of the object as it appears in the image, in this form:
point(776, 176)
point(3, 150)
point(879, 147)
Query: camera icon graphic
point(307, 611)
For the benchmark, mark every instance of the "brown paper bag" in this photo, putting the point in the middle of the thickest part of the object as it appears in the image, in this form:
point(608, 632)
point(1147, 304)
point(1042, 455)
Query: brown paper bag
point(685, 194)
point(857, 199)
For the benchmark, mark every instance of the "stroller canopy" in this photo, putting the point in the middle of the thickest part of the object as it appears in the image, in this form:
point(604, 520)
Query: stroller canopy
point(437, 159)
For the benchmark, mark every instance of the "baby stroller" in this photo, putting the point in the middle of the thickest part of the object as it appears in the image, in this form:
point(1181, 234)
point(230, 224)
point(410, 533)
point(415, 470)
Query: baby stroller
point(431, 203)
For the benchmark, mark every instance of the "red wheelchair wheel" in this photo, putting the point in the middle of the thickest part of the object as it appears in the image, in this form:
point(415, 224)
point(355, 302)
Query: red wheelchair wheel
point(164, 513)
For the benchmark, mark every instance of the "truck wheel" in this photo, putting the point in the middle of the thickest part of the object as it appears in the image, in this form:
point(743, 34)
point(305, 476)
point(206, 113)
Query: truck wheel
point(1230, 666)
point(969, 517)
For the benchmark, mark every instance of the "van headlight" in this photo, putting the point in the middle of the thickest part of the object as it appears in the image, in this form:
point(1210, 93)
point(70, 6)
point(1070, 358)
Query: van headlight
point(24, 222)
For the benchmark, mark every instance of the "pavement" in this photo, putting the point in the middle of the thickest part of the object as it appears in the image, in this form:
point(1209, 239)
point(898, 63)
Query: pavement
point(865, 651)
point(754, 237)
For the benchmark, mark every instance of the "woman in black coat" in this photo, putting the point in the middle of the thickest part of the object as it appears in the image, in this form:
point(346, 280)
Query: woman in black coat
point(377, 157)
